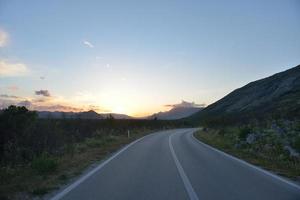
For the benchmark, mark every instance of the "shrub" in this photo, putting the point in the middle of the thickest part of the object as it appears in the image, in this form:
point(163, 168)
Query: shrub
point(243, 133)
point(40, 191)
point(80, 147)
point(297, 144)
point(44, 164)
point(93, 142)
point(70, 148)
point(222, 132)
point(109, 138)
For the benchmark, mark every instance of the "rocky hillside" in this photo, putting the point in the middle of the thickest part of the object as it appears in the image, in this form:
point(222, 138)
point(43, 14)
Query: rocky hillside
point(275, 96)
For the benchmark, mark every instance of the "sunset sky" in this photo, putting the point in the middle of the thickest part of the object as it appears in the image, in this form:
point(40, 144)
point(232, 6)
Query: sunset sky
point(135, 57)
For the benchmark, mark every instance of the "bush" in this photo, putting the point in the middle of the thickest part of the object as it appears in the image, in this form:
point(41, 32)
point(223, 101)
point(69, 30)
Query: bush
point(109, 139)
point(243, 133)
point(80, 147)
point(222, 132)
point(297, 144)
point(93, 142)
point(24, 136)
point(44, 164)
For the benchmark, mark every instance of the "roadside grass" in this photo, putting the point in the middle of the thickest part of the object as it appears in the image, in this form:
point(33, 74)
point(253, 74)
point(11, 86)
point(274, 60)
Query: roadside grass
point(47, 173)
point(270, 160)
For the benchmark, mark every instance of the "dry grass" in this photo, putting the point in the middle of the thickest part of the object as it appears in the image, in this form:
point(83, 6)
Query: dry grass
point(286, 167)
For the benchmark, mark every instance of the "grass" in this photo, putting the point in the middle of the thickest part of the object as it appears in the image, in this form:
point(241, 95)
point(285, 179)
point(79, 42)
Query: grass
point(47, 173)
point(269, 160)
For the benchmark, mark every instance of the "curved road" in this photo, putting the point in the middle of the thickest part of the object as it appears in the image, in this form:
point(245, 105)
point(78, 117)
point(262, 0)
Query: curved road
point(174, 165)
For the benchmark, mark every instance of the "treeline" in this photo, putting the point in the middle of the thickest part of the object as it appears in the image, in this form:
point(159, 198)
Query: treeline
point(23, 136)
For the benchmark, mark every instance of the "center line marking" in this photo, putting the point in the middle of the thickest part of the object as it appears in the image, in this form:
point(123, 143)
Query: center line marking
point(187, 184)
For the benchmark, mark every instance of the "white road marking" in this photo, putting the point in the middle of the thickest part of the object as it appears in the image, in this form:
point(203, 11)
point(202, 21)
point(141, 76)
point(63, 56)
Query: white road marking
point(83, 178)
point(187, 184)
point(248, 164)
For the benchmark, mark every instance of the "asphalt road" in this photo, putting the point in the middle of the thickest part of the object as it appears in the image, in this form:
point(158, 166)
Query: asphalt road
point(174, 165)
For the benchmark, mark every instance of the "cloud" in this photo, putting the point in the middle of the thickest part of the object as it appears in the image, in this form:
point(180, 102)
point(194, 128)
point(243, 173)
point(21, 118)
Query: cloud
point(9, 96)
point(186, 105)
point(7, 100)
point(88, 44)
point(97, 109)
point(4, 103)
point(12, 69)
point(3, 38)
point(42, 77)
point(47, 103)
point(44, 93)
point(25, 103)
point(57, 107)
point(39, 100)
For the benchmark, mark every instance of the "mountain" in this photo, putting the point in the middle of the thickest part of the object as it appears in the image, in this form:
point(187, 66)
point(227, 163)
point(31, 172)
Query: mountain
point(275, 96)
point(82, 115)
point(89, 115)
point(56, 114)
point(178, 111)
point(116, 116)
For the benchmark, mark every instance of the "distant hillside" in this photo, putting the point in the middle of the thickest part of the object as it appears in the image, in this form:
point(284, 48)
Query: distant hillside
point(82, 115)
point(116, 116)
point(179, 111)
point(277, 96)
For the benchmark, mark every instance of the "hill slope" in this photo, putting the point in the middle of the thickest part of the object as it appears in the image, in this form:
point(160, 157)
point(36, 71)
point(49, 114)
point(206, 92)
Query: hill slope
point(275, 96)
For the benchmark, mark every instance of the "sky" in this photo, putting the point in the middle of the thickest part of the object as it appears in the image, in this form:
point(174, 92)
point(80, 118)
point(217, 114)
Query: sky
point(136, 57)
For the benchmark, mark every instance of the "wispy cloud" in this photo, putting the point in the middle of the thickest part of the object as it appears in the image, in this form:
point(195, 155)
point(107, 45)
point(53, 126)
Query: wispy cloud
point(12, 69)
point(57, 107)
point(44, 93)
point(9, 96)
point(88, 44)
point(25, 103)
point(3, 38)
point(47, 102)
point(185, 104)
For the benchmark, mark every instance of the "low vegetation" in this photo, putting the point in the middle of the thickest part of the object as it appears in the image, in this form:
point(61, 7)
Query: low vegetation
point(273, 146)
point(38, 155)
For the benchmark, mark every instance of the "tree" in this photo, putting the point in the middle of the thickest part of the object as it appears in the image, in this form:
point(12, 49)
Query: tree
point(15, 123)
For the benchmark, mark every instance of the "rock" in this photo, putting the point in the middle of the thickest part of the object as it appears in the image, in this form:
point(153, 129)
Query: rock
point(292, 152)
point(251, 138)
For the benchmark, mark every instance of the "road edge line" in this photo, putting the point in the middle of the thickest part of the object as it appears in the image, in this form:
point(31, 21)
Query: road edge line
point(186, 182)
point(89, 174)
point(247, 164)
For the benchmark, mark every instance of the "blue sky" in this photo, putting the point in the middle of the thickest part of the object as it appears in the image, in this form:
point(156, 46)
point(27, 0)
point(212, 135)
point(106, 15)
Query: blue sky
point(135, 57)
